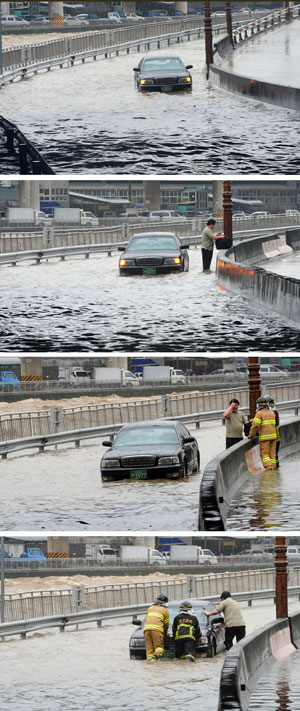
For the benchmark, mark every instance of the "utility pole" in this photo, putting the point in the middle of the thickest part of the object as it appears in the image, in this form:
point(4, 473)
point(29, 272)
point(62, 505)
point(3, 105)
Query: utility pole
point(208, 38)
point(2, 580)
point(1, 63)
point(281, 577)
point(254, 384)
point(227, 208)
point(229, 21)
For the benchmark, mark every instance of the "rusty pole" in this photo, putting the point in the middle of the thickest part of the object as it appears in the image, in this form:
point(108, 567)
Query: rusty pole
point(281, 577)
point(288, 10)
point(227, 208)
point(229, 21)
point(254, 384)
point(208, 37)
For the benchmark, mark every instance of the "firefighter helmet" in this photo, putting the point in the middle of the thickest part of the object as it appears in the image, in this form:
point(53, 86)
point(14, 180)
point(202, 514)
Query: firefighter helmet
point(270, 400)
point(161, 599)
point(261, 402)
point(185, 605)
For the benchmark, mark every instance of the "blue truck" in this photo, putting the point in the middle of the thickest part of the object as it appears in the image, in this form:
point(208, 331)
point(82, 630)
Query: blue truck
point(9, 379)
point(34, 557)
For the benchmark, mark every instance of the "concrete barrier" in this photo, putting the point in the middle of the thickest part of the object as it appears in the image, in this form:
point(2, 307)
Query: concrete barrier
point(251, 659)
point(236, 271)
point(295, 628)
point(225, 474)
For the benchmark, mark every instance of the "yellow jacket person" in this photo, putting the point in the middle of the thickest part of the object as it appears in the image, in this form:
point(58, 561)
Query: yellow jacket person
point(156, 627)
point(264, 425)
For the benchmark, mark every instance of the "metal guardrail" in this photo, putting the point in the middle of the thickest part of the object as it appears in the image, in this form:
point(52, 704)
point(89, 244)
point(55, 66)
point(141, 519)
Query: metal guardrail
point(27, 156)
point(23, 627)
point(41, 442)
point(269, 21)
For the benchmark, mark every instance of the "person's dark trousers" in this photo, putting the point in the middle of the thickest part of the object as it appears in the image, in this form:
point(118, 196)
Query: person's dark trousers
point(185, 648)
point(231, 633)
point(232, 440)
point(206, 258)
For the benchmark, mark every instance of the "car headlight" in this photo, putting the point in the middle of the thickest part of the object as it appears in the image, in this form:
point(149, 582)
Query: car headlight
point(184, 80)
point(127, 262)
point(203, 640)
point(168, 460)
point(110, 463)
point(137, 643)
point(147, 82)
point(173, 260)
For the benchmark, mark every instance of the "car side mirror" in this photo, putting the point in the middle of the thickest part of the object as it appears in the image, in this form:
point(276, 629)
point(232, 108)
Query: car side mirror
point(184, 246)
point(217, 620)
point(136, 69)
point(136, 622)
point(122, 249)
point(188, 440)
point(189, 66)
point(107, 443)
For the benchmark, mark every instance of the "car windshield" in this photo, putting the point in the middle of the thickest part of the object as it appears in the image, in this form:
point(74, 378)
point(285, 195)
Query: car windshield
point(198, 611)
point(139, 436)
point(162, 64)
point(151, 244)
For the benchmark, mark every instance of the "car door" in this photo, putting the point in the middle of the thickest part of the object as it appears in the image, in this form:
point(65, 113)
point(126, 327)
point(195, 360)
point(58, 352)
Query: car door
point(190, 448)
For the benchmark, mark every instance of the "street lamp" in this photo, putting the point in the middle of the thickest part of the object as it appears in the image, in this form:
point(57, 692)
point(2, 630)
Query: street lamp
point(208, 37)
point(254, 384)
point(281, 577)
point(2, 579)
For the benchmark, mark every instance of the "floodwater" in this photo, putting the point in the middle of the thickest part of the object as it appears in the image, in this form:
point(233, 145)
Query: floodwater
point(90, 119)
point(280, 50)
point(62, 490)
point(280, 690)
point(89, 668)
point(285, 265)
point(84, 305)
point(268, 500)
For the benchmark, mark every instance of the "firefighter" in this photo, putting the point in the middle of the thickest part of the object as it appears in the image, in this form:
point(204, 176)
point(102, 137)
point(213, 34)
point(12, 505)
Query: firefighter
point(186, 632)
point(271, 403)
point(156, 627)
point(264, 424)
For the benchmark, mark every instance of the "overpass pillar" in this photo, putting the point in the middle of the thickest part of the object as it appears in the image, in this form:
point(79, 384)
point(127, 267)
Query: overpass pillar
point(151, 190)
point(31, 368)
point(29, 194)
point(181, 6)
point(129, 6)
point(144, 541)
point(218, 198)
point(56, 13)
point(58, 547)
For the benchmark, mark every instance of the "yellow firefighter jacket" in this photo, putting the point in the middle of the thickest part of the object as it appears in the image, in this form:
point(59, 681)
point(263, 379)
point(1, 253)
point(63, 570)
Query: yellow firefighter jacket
point(157, 618)
point(264, 424)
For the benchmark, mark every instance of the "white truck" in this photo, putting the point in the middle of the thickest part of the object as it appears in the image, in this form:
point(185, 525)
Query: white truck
point(74, 215)
point(101, 553)
point(73, 374)
point(163, 374)
point(141, 554)
point(192, 554)
point(115, 376)
point(27, 214)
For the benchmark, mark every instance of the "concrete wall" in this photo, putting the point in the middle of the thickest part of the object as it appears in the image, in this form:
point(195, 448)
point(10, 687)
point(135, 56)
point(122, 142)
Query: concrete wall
point(225, 474)
point(251, 659)
point(236, 272)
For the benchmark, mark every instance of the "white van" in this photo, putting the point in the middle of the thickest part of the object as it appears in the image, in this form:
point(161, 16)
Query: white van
point(292, 213)
point(114, 16)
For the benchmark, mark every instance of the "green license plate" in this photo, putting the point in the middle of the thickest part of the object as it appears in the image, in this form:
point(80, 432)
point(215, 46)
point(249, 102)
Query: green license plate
point(139, 474)
point(149, 271)
point(166, 88)
point(169, 654)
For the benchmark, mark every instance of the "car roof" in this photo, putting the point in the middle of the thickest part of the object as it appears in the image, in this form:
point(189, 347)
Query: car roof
point(154, 234)
point(162, 56)
point(151, 423)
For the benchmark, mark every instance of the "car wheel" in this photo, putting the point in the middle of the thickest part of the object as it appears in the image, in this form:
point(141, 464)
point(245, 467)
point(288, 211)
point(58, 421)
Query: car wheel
point(184, 471)
point(211, 650)
point(197, 468)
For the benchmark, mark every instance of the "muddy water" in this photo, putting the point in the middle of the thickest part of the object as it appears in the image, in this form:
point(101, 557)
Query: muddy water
point(280, 690)
point(269, 499)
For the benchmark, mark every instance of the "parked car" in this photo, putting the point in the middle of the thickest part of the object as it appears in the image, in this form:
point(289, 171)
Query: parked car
point(115, 17)
point(155, 448)
point(151, 253)
point(238, 215)
point(132, 17)
point(212, 638)
point(162, 73)
point(13, 21)
point(272, 371)
point(260, 213)
point(75, 21)
point(160, 215)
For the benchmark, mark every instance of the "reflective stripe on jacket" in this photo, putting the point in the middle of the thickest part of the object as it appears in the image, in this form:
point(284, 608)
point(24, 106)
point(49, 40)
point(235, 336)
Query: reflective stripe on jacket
point(264, 424)
point(157, 618)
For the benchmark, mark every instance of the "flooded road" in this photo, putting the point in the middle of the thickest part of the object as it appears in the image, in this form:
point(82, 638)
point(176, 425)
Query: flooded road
point(280, 690)
point(281, 55)
point(61, 489)
point(268, 499)
point(89, 669)
point(84, 305)
point(90, 119)
point(286, 265)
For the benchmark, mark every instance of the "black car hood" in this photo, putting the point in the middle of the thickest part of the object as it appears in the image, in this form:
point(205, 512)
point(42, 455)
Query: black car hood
point(161, 450)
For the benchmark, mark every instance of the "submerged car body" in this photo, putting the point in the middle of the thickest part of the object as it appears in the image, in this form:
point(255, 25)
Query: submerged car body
point(210, 642)
point(162, 73)
point(150, 449)
point(151, 253)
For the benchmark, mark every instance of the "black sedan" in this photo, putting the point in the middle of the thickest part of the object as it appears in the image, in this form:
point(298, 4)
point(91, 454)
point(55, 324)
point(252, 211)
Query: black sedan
point(162, 73)
point(210, 642)
point(152, 253)
point(144, 450)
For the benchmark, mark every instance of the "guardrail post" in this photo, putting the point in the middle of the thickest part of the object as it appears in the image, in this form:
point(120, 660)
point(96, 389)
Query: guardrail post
point(10, 133)
point(23, 158)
